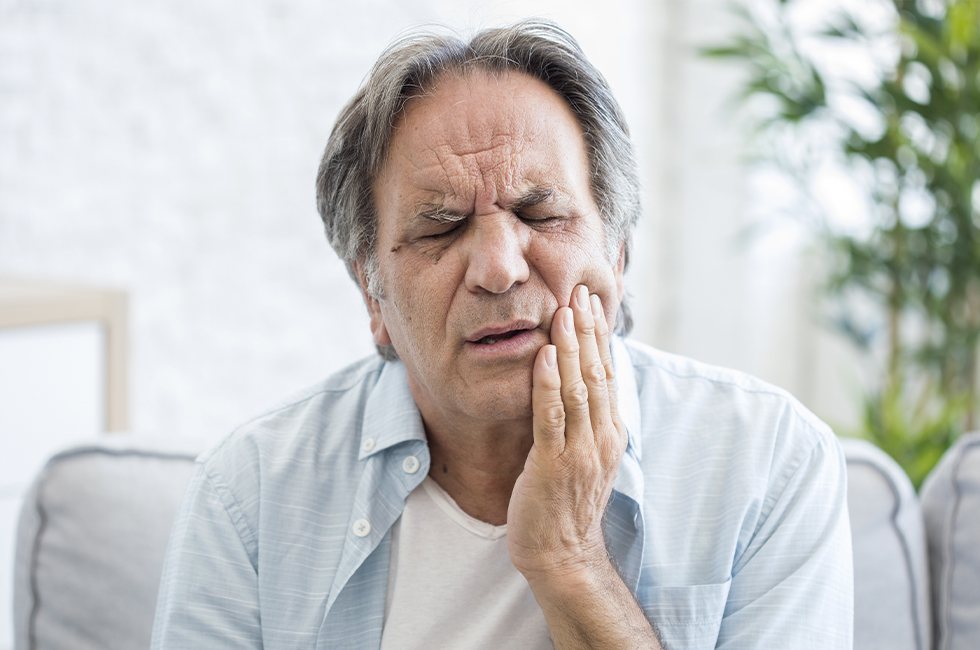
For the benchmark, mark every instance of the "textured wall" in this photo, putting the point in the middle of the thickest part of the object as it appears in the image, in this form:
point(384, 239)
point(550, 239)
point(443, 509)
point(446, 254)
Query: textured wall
point(168, 147)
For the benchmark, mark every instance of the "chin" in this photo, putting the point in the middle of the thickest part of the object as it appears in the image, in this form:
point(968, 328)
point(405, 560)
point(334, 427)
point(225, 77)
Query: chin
point(502, 405)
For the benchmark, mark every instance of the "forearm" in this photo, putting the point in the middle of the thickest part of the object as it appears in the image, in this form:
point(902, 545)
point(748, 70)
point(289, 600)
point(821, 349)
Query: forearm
point(593, 608)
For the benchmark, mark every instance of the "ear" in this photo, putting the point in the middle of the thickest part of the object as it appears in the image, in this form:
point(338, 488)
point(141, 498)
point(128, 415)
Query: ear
point(620, 273)
point(379, 332)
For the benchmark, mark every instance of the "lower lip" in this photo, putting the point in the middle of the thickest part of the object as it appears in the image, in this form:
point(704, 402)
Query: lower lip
point(515, 346)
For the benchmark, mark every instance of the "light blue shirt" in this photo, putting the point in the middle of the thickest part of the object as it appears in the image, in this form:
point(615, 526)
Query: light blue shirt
point(728, 519)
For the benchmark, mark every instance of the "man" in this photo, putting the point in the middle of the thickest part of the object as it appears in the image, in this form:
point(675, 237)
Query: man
point(508, 472)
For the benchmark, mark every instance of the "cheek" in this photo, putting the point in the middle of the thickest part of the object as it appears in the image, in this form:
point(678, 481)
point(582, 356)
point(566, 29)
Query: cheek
point(566, 264)
point(601, 280)
point(415, 304)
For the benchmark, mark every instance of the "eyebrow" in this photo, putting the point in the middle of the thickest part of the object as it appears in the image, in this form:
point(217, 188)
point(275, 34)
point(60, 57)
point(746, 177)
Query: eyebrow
point(439, 214)
point(536, 196)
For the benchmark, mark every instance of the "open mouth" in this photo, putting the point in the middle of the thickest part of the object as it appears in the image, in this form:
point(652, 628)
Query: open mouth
point(503, 336)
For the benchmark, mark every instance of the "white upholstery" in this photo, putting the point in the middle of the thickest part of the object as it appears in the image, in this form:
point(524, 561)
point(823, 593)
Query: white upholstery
point(951, 505)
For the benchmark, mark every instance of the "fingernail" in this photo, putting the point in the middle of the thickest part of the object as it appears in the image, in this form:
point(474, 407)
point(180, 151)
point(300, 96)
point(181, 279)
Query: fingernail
point(566, 321)
point(596, 307)
point(582, 296)
point(550, 356)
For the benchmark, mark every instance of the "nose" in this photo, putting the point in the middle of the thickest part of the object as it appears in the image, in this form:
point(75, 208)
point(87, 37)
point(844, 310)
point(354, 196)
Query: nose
point(496, 254)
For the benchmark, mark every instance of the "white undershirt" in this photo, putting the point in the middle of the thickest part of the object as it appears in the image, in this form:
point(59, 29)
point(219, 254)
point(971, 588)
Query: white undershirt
point(451, 583)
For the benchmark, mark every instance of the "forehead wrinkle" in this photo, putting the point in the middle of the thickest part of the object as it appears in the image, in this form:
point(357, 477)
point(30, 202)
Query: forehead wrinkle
point(448, 184)
point(475, 173)
point(503, 168)
point(450, 171)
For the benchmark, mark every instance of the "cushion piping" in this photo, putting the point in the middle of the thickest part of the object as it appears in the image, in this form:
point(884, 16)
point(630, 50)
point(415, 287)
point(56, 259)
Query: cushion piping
point(42, 517)
point(954, 514)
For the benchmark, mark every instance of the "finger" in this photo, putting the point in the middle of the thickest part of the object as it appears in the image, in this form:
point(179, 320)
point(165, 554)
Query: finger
point(614, 450)
point(574, 393)
point(590, 362)
point(548, 411)
point(604, 341)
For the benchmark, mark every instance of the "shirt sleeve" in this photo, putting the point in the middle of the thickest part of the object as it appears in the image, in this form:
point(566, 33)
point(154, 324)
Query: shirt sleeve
point(209, 586)
point(792, 586)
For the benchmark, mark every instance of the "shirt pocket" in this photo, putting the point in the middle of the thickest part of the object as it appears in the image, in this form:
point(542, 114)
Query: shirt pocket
point(687, 616)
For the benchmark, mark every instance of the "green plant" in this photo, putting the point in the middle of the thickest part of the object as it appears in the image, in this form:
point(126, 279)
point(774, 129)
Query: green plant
point(911, 135)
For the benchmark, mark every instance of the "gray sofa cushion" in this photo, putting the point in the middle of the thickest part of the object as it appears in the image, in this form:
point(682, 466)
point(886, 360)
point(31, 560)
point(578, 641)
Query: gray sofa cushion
point(951, 505)
point(90, 545)
point(891, 582)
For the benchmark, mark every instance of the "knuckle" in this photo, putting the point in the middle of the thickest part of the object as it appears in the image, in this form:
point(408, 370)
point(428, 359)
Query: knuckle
point(595, 373)
point(613, 446)
point(554, 416)
point(610, 374)
point(576, 394)
point(621, 434)
point(587, 328)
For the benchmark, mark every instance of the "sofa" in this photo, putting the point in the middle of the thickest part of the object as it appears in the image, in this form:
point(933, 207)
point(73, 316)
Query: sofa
point(94, 527)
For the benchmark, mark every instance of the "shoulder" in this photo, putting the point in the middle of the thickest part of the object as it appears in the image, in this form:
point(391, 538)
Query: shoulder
point(315, 426)
point(726, 421)
point(706, 393)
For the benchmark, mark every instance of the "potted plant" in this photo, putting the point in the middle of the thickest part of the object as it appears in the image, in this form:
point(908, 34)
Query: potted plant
point(908, 134)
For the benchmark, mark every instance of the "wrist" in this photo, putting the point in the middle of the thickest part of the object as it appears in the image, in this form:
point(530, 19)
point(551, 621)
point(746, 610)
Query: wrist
point(587, 605)
point(571, 575)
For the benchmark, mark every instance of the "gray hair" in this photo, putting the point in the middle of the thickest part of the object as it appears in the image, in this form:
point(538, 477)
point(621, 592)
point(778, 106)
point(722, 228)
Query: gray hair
point(358, 145)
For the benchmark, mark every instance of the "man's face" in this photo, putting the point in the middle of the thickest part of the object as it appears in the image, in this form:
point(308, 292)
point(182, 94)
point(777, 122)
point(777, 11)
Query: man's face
point(486, 221)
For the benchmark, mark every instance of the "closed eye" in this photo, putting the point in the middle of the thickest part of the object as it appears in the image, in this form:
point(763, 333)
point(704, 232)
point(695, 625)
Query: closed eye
point(439, 223)
point(539, 220)
point(445, 231)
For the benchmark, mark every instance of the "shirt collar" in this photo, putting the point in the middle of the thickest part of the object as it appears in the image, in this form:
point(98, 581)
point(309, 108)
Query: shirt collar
point(628, 399)
point(629, 479)
point(390, 414)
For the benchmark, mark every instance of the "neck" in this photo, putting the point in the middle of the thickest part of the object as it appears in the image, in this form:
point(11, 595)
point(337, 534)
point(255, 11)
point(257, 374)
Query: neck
point(478, 466)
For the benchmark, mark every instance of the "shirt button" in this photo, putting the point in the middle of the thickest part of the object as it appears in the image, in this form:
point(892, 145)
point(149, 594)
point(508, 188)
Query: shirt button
point(361, 528)
point(411, 464)
point(368, 446)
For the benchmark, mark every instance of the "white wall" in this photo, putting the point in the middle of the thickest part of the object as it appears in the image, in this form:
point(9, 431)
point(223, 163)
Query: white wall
point(168, 147)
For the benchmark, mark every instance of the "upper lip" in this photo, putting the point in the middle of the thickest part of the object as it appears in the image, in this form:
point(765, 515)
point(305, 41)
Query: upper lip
point(501, 329)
